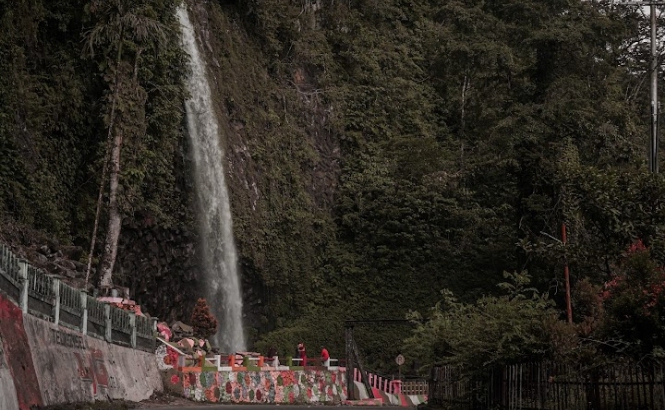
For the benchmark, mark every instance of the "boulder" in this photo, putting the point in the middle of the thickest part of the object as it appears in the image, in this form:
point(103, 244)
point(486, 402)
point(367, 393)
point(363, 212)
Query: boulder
point(72, 252)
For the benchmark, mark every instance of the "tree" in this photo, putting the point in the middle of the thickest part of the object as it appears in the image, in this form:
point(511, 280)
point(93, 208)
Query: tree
point(203, 322)
point(124, 29)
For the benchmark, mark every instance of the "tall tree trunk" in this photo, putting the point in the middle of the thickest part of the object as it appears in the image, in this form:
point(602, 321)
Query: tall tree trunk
point(465, 88)
point(93, 239)
point(113, 230)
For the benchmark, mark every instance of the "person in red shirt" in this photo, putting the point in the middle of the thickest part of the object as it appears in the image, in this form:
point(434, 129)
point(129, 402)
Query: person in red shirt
point(302, 354)
point(325, 357)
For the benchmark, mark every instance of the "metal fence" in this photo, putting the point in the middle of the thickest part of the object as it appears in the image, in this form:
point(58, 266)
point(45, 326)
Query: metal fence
point(41, 296)
point(96, 317)
point(45, 296)
point(121, 327)
point(415, 386)
point(145, 336)
point(551, 386)
point(71, 307)
point(452, 388)
point(9, 273)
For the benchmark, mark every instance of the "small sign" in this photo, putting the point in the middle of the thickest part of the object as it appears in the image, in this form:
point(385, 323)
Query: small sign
point(399, 360)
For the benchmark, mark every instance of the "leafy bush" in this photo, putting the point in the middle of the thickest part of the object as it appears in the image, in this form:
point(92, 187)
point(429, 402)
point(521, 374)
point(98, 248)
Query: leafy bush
point(634, 300)
point(492, 331)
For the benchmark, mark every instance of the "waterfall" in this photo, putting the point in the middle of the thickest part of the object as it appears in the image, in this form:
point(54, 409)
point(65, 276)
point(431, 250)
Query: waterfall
point(219, 257)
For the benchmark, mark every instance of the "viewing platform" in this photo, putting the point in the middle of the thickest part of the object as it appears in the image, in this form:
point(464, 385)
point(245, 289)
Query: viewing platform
point(238, 379)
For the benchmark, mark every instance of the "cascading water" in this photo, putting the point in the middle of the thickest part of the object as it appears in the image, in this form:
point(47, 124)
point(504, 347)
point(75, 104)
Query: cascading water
point(216, 226)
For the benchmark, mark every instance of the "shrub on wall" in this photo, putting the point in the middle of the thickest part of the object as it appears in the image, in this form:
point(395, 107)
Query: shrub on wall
point(203, 322)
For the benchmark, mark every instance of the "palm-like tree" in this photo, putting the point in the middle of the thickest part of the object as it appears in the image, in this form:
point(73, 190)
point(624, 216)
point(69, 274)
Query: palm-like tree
point(122, 30)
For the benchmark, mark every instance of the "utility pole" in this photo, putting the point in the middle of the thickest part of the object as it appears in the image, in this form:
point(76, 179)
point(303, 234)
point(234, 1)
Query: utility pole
point(653, 84)
point(566, 271)
point(566, 276)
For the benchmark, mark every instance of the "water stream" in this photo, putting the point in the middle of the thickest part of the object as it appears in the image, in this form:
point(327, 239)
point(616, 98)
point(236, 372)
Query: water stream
point(222, 284)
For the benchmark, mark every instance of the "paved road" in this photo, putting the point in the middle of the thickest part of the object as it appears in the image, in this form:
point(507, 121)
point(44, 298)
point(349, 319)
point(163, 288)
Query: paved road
point(190, 406)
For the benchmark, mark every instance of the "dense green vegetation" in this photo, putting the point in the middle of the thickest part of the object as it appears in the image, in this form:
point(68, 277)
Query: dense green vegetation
point(469, 132)
point(379, 152)
point(53, 135)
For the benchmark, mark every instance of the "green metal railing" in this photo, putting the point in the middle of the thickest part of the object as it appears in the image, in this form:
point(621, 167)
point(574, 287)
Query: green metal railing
point(45, 296)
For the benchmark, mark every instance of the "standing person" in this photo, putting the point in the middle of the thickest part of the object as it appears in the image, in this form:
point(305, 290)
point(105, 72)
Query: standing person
point(297, 356)
point(272, 357)
point(325, 357)
point(302, 354)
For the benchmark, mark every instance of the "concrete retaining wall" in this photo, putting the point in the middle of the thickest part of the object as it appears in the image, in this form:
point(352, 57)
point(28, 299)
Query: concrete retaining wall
point(8, 399)
point(47, 364)
point(75, 368)
point(17, 355)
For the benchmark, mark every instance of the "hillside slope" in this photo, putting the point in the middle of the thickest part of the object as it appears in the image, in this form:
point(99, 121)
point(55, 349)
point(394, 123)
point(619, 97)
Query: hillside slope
point(377, 151)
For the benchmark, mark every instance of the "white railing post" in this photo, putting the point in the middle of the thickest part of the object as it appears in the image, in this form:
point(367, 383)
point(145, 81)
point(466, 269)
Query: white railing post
point(153, 336)
point(56, 303)
point(84, 315)
point(132, 326)
point(107, 320)
point(25, 284)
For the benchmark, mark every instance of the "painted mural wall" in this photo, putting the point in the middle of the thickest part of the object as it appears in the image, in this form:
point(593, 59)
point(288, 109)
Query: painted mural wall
point(273, 387)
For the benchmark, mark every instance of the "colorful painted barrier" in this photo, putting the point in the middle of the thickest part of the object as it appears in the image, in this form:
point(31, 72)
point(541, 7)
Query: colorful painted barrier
point(385, 391)
point(382, 397)
point(265, 386)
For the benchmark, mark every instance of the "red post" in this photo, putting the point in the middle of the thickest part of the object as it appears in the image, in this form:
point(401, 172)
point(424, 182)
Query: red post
point(566, 276)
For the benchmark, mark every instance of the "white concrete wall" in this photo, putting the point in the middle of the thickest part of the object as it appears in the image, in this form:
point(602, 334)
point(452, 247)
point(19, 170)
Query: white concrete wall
point(8, 400)
point(71, 367)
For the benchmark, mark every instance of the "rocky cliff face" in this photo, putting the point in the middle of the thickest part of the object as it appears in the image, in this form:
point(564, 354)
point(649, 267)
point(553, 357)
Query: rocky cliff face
point(282, 156)
point(283, 165)
point(159, 265)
